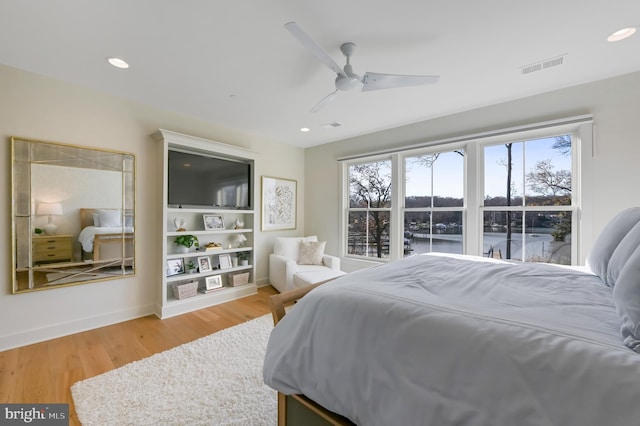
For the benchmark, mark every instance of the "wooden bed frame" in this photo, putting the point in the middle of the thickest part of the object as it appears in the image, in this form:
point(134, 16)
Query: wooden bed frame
point(298, 409)
point(107, 246)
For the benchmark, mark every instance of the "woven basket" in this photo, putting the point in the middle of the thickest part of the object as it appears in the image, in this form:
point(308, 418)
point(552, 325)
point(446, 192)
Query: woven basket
point(184, 290)
point(239, 279)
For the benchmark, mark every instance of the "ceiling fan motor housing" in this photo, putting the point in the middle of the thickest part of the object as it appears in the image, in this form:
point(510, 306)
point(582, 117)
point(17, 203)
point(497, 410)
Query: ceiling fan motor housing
point(351, 82)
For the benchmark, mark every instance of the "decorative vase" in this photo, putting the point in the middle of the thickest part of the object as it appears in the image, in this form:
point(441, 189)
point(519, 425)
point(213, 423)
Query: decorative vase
point(244, 262)
point(183, 249)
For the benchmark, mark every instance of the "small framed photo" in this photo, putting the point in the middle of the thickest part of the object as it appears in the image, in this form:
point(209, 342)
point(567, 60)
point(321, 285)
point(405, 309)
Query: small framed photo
point(225, 261)
point(213, 282)
point(204, 265)
point(175, 267)
point(213, 221)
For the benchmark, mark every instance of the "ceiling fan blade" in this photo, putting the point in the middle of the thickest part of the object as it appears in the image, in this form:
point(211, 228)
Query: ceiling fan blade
point(313, 47)
point(375, 81)
point(331, 96)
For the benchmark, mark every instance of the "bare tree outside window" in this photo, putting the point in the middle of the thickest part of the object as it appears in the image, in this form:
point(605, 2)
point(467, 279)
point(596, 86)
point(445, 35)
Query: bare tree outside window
point(369, 203)
point(536, 173)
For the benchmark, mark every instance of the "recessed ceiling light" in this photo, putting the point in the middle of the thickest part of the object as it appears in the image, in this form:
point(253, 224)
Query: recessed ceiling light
point(305, 129)
point(118, 63)
point(622, 34)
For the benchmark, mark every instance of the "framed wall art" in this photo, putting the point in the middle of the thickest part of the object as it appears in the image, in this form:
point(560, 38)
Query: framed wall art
point(279, 200)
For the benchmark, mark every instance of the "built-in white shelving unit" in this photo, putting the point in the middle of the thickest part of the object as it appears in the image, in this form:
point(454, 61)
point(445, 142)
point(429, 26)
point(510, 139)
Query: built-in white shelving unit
point(192, 221)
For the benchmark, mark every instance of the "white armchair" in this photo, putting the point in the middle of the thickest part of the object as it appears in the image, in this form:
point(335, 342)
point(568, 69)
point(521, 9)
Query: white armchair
point(284, 266)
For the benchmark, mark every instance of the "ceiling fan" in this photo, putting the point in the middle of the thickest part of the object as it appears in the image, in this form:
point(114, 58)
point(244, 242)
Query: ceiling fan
point(347, 79)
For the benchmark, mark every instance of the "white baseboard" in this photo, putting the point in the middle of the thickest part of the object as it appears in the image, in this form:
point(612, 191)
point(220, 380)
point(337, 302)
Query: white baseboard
point(53, 331)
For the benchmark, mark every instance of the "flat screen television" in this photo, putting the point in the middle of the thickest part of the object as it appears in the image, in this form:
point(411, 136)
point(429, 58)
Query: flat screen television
point(198, 180)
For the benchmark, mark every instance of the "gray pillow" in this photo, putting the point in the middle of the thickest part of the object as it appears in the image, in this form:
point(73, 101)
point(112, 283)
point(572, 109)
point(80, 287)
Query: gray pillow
point(600, 256)
point(626, 296)
point(622, 254)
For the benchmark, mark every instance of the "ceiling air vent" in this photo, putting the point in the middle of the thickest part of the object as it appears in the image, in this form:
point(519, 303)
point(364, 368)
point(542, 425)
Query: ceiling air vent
point(332, 125)
point(542, 65)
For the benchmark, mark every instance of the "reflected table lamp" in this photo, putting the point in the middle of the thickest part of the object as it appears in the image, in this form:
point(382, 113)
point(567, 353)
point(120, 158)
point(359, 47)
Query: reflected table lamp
point(50, 209)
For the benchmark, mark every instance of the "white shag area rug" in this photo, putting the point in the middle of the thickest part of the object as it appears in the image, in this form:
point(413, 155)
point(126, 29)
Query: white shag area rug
point(215, 380)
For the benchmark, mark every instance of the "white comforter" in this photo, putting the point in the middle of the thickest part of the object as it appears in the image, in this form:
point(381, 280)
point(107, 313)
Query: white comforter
point(444, 340)
point(89, 232)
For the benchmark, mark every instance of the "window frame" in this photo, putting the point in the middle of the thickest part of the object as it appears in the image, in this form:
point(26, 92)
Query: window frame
point(581, 129)
point(433, 209)
point(573, 208)
point(347, 209)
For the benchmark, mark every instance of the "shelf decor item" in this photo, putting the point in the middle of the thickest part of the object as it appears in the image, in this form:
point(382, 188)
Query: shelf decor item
point(241, 240)
point(213, 282)
point(192, 268)
point(225, 261)
point(179, 224)
point(243, 258)
point(212, 246)
point(175, 267)
point(184, 290)
point(185, 242)
point(278, 203)
point(236, 280)
point(213, 221)
point(205, 264)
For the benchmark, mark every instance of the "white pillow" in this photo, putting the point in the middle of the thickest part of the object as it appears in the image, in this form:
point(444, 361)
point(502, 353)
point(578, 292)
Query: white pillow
point(311, 253)
point(96, 219)
point(110, 218)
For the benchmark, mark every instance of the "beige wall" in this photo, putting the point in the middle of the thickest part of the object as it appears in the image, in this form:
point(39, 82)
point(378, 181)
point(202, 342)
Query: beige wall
point(36, 107)
point(613, 176)
point(40, 108)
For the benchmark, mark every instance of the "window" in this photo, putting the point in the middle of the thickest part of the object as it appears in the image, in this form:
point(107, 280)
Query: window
point(369, 211)
point(509, 194)
point(528, 200)
point(433, 203)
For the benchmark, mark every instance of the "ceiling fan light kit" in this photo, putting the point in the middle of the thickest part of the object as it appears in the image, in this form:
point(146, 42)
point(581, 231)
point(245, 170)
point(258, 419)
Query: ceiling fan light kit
point(346, 79)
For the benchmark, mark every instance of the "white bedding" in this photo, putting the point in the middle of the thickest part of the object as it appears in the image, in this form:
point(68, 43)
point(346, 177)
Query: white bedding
point(89, 232)
point(455, 340)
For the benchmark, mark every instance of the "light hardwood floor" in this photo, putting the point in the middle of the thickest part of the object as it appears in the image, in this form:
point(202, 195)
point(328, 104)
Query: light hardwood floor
point(44, 372)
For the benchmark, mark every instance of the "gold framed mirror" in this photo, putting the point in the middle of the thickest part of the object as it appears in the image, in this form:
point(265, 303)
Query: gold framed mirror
point(73, 214)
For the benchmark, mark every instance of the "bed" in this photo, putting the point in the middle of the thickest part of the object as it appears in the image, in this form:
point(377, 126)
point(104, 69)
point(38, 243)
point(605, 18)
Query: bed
point(103, 241)
point(460, 340)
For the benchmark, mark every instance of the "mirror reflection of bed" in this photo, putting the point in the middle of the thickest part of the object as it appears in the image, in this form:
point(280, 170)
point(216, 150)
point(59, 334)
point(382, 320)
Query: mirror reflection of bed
point(102, 242)
point(106, 250)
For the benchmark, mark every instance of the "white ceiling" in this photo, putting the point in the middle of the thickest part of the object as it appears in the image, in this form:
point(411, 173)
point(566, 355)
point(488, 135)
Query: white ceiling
point(233, 64)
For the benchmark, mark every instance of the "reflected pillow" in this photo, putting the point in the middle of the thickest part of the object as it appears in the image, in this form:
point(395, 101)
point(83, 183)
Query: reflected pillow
point(110, 218)
point(311, 253)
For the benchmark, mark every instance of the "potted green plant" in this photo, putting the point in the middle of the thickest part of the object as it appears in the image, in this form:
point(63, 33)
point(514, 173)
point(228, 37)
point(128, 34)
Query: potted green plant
point(243, 258)
point(192, 268)
point(185, 242)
